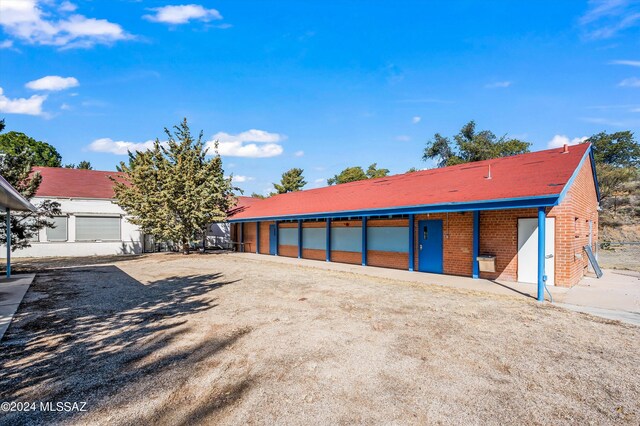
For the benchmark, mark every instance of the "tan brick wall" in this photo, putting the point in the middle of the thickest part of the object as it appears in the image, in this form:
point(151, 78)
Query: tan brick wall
point(288, 251)
point(313, 254)
point(264, 237)
point(572, 228)
point(346, 257)
point(388, 259)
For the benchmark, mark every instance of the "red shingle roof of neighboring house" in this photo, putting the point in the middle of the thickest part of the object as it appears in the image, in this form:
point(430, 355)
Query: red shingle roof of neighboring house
point(75, 183)
point(79, 183)
point(524, 176)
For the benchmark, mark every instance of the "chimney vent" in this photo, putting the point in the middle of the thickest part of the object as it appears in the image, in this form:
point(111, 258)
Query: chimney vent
point(565, 149)
point(489, 175)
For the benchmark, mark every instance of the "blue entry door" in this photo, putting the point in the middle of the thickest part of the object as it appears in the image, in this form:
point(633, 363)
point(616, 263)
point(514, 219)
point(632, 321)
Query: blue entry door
point(273, 239)
point(430, 246)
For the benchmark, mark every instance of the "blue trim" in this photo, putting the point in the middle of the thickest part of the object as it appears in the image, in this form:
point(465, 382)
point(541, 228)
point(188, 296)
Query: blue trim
point(328, 238)
point(541, 252)
point(241, 237)
point(411, 241)
point(277, 238)
point(299, 239)
point(507, 203)
point(476, 244)
point(8, 233)
point(593, 170)
point(257, 237)
point(567, 186)
point(364, 241)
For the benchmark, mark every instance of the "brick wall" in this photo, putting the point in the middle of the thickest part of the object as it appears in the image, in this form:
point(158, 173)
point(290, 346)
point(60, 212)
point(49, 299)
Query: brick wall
point(572, 228)
point(249, 237)
point(264, 237)
point(388, 259)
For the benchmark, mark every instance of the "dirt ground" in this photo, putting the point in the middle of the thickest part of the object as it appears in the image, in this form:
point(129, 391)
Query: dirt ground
point(620, 257)
point(169, 339)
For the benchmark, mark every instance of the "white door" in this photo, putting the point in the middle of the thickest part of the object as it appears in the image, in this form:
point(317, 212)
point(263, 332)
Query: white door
point(528, 250)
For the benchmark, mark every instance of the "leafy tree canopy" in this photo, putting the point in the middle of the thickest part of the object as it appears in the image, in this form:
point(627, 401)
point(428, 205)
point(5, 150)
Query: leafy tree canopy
point(619, 149)
point(85, 165)
point(15, 167)
point(471, 145)
point(175, 191)
point(41, 153)
point(256, 195)
point(617, 157)
point(352, 174)
point(292, 180)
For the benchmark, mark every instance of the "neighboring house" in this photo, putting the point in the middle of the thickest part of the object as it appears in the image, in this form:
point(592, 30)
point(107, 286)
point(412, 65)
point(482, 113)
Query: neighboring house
point(443, 220)
point(91, 223)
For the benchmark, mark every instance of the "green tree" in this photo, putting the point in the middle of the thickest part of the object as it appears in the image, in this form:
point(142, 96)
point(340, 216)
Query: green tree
point(84, 165)
point(292, 181)
point(617, 157)
point(256, 195)
point(41, 153)
point(471, 145)
point(412, 170)
point(374, 172)
point(352, 174)
point(16, 168)
point(173, 192)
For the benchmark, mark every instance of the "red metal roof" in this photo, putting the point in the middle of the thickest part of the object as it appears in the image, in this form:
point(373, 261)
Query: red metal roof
point(75, 183)
point(535, 174)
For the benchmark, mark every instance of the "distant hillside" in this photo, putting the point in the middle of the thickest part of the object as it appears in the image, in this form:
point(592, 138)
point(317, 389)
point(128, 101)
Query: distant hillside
point(620, 216)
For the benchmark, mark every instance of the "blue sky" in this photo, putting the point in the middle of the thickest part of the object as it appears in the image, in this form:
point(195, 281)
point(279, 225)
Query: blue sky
point(317, 85)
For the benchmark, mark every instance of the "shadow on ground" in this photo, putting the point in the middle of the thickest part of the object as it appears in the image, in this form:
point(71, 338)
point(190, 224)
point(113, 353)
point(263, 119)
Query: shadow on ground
point(83, 333)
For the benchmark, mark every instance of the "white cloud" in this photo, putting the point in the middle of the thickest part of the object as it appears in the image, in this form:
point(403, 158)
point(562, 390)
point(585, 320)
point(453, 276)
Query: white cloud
point(182, 14)
point(241, 178)
point(65, 107)
point(6, 44)
point(606, 18)
point(52, 83)
point(321, 180)
point(626, 62)
point(252, 143)
point(27, 106)
point(119, 147)
point(560, 140)
point(403, 138)
point(299, 153)
point(498, 85)
point(67, 6)
point(416, 119)
point(36, 22)
point(630, 82)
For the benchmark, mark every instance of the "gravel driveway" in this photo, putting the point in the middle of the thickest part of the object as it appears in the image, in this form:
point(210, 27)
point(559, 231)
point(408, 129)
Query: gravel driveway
point(172, 339)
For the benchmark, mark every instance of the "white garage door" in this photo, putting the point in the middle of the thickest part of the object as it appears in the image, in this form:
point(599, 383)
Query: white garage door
point(528, 250)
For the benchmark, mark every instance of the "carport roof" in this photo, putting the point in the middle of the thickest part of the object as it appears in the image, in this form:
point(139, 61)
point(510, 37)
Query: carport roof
point(11, 198)
point(527, 180)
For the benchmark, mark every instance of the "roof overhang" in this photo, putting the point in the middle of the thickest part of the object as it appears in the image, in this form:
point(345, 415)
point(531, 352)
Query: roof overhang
point(10, 198)
point(503, 204)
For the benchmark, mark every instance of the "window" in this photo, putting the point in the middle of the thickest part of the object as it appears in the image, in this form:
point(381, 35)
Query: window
point(346, 239)
point(96, 228)
point(288, 237)
point(389, 238)
point(314, 238)
point(59, 231)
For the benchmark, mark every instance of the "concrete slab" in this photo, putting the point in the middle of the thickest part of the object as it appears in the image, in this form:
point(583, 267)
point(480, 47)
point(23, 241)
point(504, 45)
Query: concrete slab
point(616, 290)
point(463, 283)
point(12, 291)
